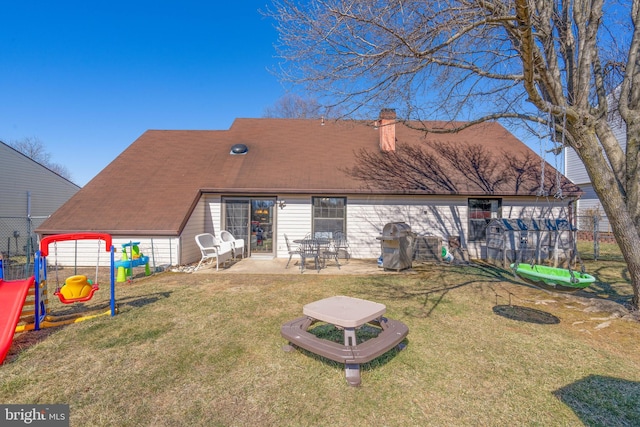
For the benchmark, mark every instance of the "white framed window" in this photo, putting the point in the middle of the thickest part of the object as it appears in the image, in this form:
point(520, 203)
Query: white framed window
point(481, 212)
point(329, 215)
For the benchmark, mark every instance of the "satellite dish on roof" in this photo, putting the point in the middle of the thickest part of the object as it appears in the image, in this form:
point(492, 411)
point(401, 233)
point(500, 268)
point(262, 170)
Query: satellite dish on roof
point(239, 149)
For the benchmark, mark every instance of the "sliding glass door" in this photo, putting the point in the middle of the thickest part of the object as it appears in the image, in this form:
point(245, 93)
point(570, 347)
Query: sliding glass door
point(262, 226)
point(237, 218)
point(252, 220)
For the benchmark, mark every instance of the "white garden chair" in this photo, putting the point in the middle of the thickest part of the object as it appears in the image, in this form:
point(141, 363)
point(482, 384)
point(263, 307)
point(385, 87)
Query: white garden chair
point(211, 247)
point(237, 245)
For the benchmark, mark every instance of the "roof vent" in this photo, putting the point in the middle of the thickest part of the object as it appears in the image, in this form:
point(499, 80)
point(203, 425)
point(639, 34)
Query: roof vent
point(238, 149)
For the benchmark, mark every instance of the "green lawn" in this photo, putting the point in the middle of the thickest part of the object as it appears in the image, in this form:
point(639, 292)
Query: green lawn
point(206, 350)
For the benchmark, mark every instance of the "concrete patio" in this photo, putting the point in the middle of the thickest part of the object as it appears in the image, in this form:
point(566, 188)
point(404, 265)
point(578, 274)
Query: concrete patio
point(277, 266)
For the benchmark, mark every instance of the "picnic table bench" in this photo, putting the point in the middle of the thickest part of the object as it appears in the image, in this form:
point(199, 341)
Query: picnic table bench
point(348, 313)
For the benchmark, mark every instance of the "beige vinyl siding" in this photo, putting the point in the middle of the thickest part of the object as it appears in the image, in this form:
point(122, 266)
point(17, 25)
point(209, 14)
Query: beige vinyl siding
point(213, 214)
point(161, 250)
point(81, 253)
point(27, 189)
point(587, 205)
point(534, 208)
point(20, 177)
point(577, 173)
point(367, 217)
point(205, 218)
point(189, 250)
point(441, 216)
point(429, 216)
point(294, 220)
point(574, 168)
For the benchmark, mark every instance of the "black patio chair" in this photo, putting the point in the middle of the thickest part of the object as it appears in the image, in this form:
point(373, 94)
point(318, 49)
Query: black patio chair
point(331, 251)
point(293, 250)
point(309, 249)
point(341, 244)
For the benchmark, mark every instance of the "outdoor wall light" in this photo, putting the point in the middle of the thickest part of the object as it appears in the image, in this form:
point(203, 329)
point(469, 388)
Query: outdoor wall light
point(282, 204)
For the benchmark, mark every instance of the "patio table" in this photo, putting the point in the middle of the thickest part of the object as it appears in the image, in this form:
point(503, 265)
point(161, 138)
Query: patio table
point(312, 248)
point(346, 313)
point(319, 241)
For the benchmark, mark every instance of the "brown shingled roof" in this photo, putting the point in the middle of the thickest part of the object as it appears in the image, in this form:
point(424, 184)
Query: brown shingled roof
point(153, 186)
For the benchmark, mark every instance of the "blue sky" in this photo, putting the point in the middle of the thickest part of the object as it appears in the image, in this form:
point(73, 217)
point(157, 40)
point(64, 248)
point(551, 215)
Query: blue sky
point(88, 78)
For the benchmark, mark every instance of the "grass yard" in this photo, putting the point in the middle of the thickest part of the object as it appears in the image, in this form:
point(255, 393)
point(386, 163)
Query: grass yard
point(206, 350)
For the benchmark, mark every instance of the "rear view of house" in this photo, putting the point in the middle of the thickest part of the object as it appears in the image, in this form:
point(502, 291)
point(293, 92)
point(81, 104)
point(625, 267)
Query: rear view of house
point(263, 179)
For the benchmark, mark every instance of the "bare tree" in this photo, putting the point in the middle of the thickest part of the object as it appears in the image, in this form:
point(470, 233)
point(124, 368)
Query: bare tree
point(292, 106)
point(435, 168)
point(545, 61)
point(34, 149)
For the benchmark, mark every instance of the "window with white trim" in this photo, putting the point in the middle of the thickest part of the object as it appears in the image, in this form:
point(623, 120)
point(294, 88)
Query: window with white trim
point(481, 212)
point(329, 215)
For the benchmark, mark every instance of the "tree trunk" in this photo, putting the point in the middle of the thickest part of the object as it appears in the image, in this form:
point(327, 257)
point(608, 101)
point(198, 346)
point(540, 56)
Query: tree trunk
point(628, 240)
point(614, 205)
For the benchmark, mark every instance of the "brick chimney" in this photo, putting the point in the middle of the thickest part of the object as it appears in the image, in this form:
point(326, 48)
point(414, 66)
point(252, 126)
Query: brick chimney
point(387, 126)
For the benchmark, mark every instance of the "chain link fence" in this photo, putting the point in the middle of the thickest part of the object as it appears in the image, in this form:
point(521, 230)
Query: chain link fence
point(18, 244)
point(595, 239)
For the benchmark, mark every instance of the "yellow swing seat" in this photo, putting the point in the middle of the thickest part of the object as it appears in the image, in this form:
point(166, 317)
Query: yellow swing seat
point(76, 289)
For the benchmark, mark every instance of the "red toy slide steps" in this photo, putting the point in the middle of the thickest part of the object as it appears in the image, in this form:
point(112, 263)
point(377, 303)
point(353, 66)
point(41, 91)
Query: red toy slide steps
point(13, 294)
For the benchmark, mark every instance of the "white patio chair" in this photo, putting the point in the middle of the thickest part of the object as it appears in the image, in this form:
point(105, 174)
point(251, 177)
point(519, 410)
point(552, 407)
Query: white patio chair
point(211, 247)
point(237, 245)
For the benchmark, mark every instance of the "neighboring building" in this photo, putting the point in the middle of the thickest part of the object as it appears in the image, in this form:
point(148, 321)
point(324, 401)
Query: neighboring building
point(264, 178)
point(589, 204)
point(29, 193)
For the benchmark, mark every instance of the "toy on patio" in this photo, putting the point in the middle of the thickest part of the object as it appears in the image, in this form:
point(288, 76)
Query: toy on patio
point(131, 258)
point(446, 255)
point(27, 299)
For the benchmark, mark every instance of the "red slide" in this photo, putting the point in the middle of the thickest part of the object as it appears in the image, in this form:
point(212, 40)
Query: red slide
point(13, 294)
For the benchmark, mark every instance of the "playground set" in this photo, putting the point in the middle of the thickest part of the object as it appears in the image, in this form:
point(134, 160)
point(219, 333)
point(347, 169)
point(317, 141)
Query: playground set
point(26, 301)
